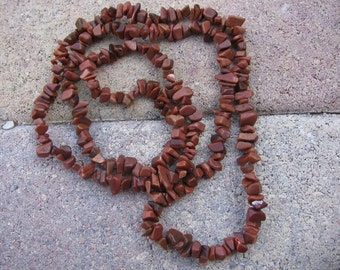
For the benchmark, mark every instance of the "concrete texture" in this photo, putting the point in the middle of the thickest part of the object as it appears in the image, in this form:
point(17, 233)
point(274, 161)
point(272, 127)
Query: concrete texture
point(294, 45)
point(52, 219)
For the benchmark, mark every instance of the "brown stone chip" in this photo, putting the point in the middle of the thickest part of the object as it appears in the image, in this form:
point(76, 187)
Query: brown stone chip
point(183, 92)
point(223, 46)
point(68, 163)
point(227, 77)
point(115, 184)
point(217, 147)
point(248, 118)
point(220, 37)
point(255, 215)
point(230, 243)
point(187, 110)
point(241, 145)
point(99, 159)
point(163, 243)
point(157, 232)
point(177, 31)
point(204, 256)
point(175, 120)
point(44, 150)
point(209, 14)
point(244, 95)
point(87, 64)
point(173, 237)
point(234, 21)
point(206, 25)
point(220, 252)
point(87, 170)
point(150, 216)
point(68, 94)
point(254, 189)
point(247, 137)
point(196, 249)
point(159, 198)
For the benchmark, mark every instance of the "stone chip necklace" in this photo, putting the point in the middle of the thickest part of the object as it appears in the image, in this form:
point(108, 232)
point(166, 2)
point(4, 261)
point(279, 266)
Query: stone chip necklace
point(172, 173)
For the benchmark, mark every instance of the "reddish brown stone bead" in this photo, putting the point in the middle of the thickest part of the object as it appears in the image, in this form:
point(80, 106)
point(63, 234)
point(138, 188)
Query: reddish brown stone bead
point(126, 183)
point(158, 198)
point(248, 118)
point(204, 256)
point(255, 215)
point(115, 184)
point(220, 252)
point(244, 95)
point(228, 77)
point(254, 188)
point(241, 247)
point(129, 164)
point(215, 164)
point(177, 143)
point(196, 116)
point(150, 216)
point(44, 150)
point(206, 25)
point(175, 120)
point(196, 249)
point(163, 243)
point(157, 232)
point(68, 163)
point(87, 64)
point(212, 256)
point(243, 145)
point(186, 250)
point(99, 159)
point(147, 225)
point(230, 243)
point(71, 76)
point(250, 234)
point(87, 170)
point(173, 237)
point(41, 129)
point(167, 64)
point(240, 242)
point(178, 32)
point(208, 172)
point(132, 45)
point(181, 93)
point(222, 121)
point(247, 137)
point(217, 147)
point(164, 178)
point(234, 21)
point(220, 37)
point(225, 51)
point(209, 14)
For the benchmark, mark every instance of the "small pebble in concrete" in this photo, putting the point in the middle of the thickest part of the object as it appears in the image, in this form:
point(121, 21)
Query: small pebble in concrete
point(8, 125)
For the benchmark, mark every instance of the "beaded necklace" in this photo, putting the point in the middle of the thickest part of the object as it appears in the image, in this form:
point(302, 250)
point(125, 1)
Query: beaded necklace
point(171, 174)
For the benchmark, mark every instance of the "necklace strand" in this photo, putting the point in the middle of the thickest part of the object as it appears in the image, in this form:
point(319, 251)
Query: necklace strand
point(172, 174)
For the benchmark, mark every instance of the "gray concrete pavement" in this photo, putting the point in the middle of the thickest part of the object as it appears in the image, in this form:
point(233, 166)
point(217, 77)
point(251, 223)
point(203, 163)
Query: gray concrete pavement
point(294, 45)
point(52, 219)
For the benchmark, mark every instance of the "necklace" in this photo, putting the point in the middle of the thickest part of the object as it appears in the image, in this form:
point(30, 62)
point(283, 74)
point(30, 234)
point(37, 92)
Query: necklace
point(171, 174)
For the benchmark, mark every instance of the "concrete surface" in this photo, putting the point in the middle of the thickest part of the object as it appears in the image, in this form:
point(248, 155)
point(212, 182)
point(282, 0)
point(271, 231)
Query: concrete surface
point(51, 219)
point(294, 45)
